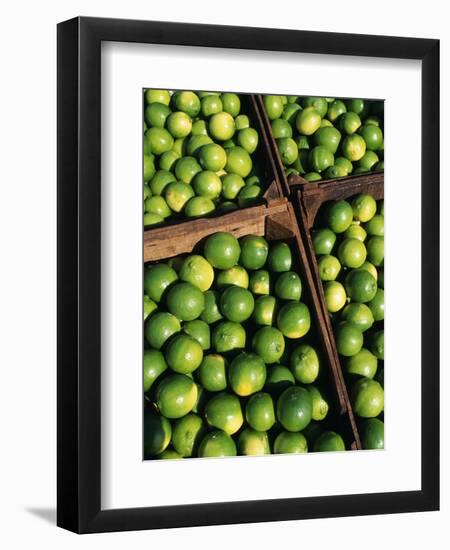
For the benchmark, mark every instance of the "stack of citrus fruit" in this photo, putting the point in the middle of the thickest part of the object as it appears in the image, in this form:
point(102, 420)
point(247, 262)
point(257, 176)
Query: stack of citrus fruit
point(349, 244)
point(199, 151)
point(326, 138)
point(231, 359)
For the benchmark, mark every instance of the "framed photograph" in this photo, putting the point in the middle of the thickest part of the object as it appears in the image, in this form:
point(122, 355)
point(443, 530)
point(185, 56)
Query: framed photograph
point(222, 271)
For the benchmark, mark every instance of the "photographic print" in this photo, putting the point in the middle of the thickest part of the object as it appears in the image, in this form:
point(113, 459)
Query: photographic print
point(263, 274)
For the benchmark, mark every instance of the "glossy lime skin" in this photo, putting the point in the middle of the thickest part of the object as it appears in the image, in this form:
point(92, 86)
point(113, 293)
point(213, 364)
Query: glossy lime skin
point(223, 411)
point(329, 442)
point(323, 241)
point(222, 250)
point(288, 286)
point(359, 315)
point(364, 363)
point(197, 271)
point(339, 216)
point(265, 310)
point(260, 412)
point(200, 331)
point(278, 379)
point(304, 363)
point(211, 312)
point(349, 339)
point(157, 434)
point(185, 301)
point(290, 443)
point(367, 398)
point(254, 251)
point(187, 433)
point(217, 444)
point(212, 373)
point(259, 282)
point(294, 320)
point(154, 366)
point(279, 258)
point(156, 280)
point(372, 434)
point(184, 354)
point(233, 276)
point(352, 253)
point(268, 343)
point(247, 374)
point(294, 409)
point(160, 327)
point(237, 304)
point(176, 395)
point(377, 344)
point(320, 406)
point(376, 305)
point(228, 336)
point(253, 443)
point(360, 285)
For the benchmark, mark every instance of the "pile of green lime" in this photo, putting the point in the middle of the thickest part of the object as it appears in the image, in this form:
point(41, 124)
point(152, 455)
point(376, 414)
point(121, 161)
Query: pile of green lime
point(199, 152)
point(327, 138)
point(349, 244)
point(231, 361)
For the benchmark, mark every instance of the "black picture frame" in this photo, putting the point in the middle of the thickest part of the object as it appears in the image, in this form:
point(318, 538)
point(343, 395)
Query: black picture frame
point(79, 279)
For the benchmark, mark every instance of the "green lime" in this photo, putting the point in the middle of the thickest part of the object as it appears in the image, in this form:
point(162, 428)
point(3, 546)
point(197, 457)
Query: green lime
point(199, 330)
point(329, 138)
point(372, 434)
point(156, 279)
point(367, 397)
point(195, 144)
point(224, 411)
point(376, 305)
point(268, 343)
point(288, 150)
point(279, 258)
point(186, 169)
point(247, 374)
point(294, 320)
point(329, 442)
point(231, 185)
point(253, 443)
point(176, 395)
point(151, 220)
point(185, 301)
point(187, 433)
point(231, 103)
point(321, 158)
point(349, 122)
point(349, 339)
point(372, 135)
point(222, 250)
point(265, 310)
point(179, 146)
point(344, 163)
point(254, 251)
point(156, 114)
point(339, 216)
point(228, 336)
point(157, 96)
point(358, 315)
point(304, 363)
point(379, 166)
point(179, 124)
point(149, 168)
point(157, 205)
point(177, 195)
point(290, 112)
point(212, 157)
point(375, 226)
point(249, 195)
point(352, 253)
point(146, 191)
point(290, 443)
point(238, 161)
point(154, 366)
point(274, 106)
point(212, 373)
point(199, 206)
point(329, 267)
point(157, 140)
point(259, 282)
point(320, 406)
point(278, 379)
point(335, 110)
point(364, 363)
point(368, 160)
point(168, 160)
point(235, 275)
point(197, 271)
point(211, 312)
point(358, 106)
point(371, 269)
point(188, 102)
point(207, 184)
point(375, 250)
point(248, 139)
point(377, 344)
point(149, 306)
point(320, 104)
point(236, 304)
point(335, 296)
point(325, 123)
point(217, 444)
point(323, 241)
point(355, 231)
point(260, 412)
point(184, 354)
point(294, 409)
point(211, 105)
point(281, 128)
point(302, 141)
point(361, 286)
point(221, 126)
point(312, 176)
point(353, 147)
point(157, 434)
point(307, 121)
point(364, 207)
point(199, 128)
point(288, 286)
point(169, 454)
point(160, 181)
point(241, 122)
point(334, 172)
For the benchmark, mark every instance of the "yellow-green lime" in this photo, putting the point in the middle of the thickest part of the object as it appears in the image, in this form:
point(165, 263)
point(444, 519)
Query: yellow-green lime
point(329, 267)
point(339, 216)
point(372, 434)
point(278, 379)
point(323, 241)
point(320, 406)
point(198, 271)
point(157, 205)
point(349, 122)
point(294, 320)
point(329, 442)
point(156, 114)
point(359, 315)
point(375, 226)
point(157, 96)
point(372, 135)
point(288, 150)
point(154, 366)
point(149, 168)
point(158, 140)
point(356, 231)
point(185, 301)
point(157, 434)
point(176, 395)
point(353, 147)
point(320, 104)
point(217, 444)
point(168, 160)
point(228, 336)
point(248, 139)
point(177, 194)
point(268, 343)
point(156, 279)
point(259, 282)
point(211, 312)
point(368, 161)
point(241, 122)
point(375, 250)
point(207, 184)
point(290, 443)
point(195, 144)
point(211, 105)
point(247, 374)
point(212, 157)
point(231, 185)
point(186, 169)
point(281, 127)
point(335, 110)
point(149, 306)
point(364, 207)
point(377, 344)
point(328, 137)
point(160, 181)
point(200, 331)
point(169, 454)
point(360, 285)
point(335, 296)
point(265, 310)
point(376, 305)
point(364, 363)
point(231, 103)
point(199, 206)
point(151, 220)
point(367, 397)
point(222, 250)
point(304, 363)
point(224, 411)
point(212, 373)
point(294, 409)
point(371, 269)
point(187, 102)
point(352, 253)
point(254, 251)
point(288, 286)
point(253, 443)
point(279, 258)
point(235, 275)
point(274, 106)
point(184, 354)
point(349, 339)
point(238, 161)
point(260, 412)
point(236, 304)
point(221, 126)
point(249, 195)
point(344, 163)
point(187, 434)
point(308, 121)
